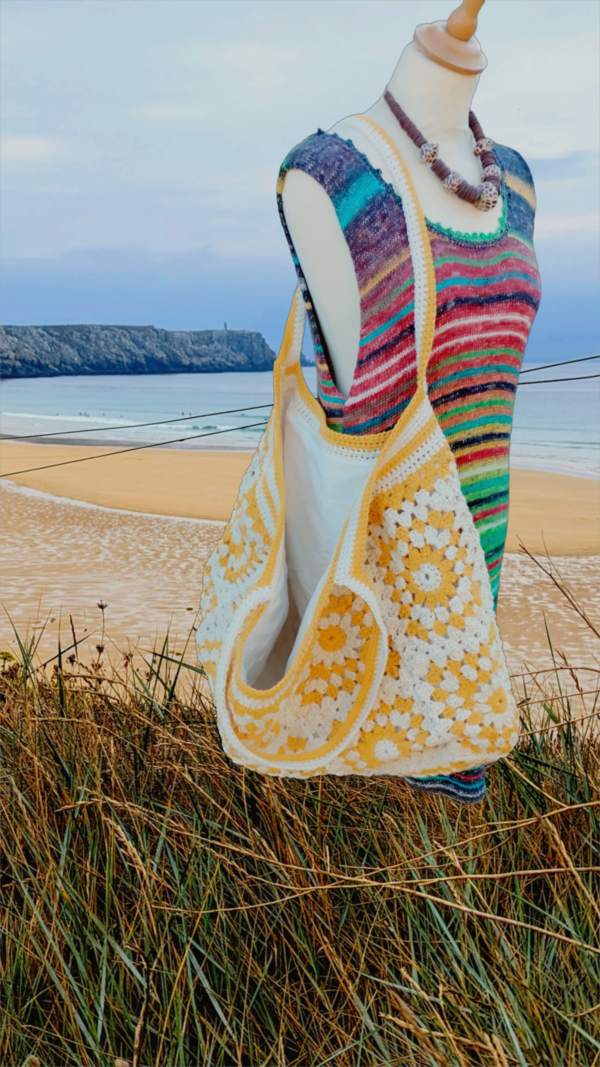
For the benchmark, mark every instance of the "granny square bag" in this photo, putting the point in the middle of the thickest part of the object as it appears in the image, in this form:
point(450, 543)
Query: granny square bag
point(348, 624)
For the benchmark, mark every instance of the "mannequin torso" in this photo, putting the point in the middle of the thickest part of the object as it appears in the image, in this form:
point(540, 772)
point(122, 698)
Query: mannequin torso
point(348, 236)
point(438, 101)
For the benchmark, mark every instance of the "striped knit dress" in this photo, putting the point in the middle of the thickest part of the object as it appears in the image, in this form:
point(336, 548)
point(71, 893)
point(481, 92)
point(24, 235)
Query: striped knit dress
point(488, 291)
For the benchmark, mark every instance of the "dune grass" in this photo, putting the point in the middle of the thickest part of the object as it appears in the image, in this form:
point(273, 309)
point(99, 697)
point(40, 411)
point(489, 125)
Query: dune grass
point(164, 907)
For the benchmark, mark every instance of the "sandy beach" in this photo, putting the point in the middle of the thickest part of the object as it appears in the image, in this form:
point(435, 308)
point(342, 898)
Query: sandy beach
point(135, 533)
point(164, 481)
point(552, 511)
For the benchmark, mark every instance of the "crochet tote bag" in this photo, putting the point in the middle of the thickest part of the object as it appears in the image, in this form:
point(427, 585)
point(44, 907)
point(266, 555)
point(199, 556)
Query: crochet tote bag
point(348, 625)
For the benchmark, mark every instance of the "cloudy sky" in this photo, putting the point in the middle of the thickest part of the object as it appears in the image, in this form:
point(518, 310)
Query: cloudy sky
point(142, 139)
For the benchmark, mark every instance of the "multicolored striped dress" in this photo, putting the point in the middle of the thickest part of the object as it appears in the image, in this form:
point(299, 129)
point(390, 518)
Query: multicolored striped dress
point(488, 291)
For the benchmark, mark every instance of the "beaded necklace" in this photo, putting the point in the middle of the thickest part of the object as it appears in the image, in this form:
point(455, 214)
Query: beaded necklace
point(484, 196)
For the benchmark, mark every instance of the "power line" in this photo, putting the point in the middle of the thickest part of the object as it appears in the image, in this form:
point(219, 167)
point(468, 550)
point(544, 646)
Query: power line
point(565, 363)
point(545, 381)
point(131, 426)
point(136, 448)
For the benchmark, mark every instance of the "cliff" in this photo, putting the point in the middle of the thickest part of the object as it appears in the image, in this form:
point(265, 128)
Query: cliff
point(47, 351)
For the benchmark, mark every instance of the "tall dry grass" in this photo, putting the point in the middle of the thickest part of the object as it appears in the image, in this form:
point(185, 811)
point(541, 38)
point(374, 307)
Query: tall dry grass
point(164, 907)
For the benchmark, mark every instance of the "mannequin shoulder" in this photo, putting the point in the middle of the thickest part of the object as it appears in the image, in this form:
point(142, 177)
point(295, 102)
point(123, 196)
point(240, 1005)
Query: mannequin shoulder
point(517, 174)
point(321, 155)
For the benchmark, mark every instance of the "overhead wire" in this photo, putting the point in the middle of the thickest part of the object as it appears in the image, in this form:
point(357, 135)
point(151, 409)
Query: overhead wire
point(578, 378)
point(564, 363)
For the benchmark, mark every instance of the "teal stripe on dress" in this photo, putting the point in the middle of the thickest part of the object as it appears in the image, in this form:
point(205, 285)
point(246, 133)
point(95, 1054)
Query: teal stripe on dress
point(440, 260)
point(472, 424)
point(496, 368)
point(355, 197)
point(387, 325)
point(483, 281)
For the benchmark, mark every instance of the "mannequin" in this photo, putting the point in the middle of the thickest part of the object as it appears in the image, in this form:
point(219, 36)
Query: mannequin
point(349, 609)
point(438, 99)
point(347, 235)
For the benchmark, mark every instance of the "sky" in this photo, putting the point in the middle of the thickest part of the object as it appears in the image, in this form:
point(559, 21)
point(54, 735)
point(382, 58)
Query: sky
point(141, 141)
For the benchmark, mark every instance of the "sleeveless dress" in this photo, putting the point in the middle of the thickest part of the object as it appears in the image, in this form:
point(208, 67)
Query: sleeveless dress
point(348, 622)
point(488, 291)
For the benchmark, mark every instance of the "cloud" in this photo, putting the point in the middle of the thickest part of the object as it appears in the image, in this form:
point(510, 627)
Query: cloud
point(165, 122)
point(212, 79)
point(566, 168)
point(266, 66)
point(173, 112)
point(543, 95)
point(30, 149)
point(549, 225)
point(209, 81)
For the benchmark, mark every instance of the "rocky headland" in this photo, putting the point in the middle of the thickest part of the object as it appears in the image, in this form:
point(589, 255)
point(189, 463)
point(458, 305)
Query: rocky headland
point(48, 351)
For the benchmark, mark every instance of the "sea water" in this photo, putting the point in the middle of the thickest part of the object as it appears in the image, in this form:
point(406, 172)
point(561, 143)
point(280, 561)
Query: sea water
point(556, 426)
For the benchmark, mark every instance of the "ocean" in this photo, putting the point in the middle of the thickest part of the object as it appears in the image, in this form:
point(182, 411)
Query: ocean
point(556, 426)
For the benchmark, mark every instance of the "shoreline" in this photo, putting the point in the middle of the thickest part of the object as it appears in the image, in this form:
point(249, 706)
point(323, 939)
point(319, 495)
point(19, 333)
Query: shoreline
point(558, 513)
point(121, 442)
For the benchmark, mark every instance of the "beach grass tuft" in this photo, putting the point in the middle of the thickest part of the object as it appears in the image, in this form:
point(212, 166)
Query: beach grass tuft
point(164, 907)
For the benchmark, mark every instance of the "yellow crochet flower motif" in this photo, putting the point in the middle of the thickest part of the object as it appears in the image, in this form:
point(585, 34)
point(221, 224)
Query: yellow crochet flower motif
point(332, 638)
point(336, 663)
point(337, 640)
point(430, 577)
point(498, 701)
point(382, 744)
point(245, 540)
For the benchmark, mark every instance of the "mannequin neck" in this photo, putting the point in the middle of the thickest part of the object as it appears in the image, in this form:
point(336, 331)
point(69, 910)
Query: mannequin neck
point(436, 99)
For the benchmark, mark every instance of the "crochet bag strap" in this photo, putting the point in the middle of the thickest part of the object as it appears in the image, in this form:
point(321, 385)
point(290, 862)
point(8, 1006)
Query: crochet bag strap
point(420, 248)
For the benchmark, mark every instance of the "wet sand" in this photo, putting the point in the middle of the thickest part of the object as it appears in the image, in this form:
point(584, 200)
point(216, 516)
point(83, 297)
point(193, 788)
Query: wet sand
point(550, 511)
